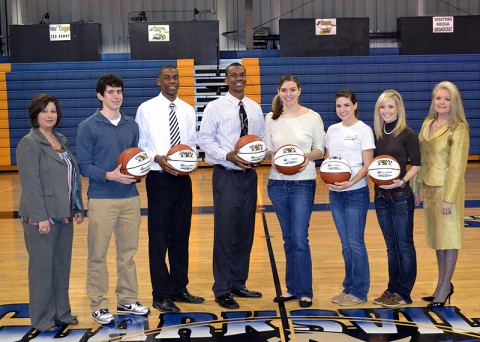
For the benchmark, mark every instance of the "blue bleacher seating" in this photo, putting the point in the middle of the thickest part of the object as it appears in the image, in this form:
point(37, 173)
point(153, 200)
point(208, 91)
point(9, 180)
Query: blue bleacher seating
point(321, 77)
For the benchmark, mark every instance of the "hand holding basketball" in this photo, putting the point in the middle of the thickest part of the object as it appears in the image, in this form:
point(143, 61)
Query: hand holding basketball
point(134, 162)
point(117, 176)
point(236, 160)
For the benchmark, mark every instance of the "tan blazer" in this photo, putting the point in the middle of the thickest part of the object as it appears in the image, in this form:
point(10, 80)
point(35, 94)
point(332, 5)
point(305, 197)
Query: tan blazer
point(444, 158)
point(44, 179)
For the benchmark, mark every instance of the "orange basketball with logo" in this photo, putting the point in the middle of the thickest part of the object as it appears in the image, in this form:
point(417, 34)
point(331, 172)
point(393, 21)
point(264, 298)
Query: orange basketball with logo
point(251, 148)
point(183, 159)
point(383, 170)
point(135, 162)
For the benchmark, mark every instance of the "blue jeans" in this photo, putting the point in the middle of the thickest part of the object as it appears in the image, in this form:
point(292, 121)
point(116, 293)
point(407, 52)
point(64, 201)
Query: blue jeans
point(349, 211)
point(395, 216)
point(293, 204)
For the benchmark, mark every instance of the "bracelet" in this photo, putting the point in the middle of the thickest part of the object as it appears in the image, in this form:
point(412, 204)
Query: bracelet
point(404, 182)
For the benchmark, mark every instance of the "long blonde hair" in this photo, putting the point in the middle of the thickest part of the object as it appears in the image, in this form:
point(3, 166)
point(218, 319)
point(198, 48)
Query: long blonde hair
point(457, 113)
point(378, 122)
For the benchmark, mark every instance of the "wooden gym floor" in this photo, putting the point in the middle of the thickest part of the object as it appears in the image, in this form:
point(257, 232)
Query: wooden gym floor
point(257, 319)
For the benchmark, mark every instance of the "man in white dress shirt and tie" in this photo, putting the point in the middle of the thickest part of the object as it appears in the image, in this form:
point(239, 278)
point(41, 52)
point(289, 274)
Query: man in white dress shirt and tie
point(234, 186)
point(166, 121)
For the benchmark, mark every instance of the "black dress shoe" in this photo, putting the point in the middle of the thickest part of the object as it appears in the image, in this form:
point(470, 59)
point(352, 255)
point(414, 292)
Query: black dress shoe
point(165, 305)
point(246, 293)
point(282, 299)
point(187, 297)
point(226, 301)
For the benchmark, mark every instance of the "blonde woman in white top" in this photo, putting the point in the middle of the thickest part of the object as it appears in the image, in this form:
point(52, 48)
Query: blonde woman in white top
point(292, 196)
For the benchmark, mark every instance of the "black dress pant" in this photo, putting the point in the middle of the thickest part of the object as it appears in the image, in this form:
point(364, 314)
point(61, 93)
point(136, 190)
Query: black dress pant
point(235, 201)
point(169, 220)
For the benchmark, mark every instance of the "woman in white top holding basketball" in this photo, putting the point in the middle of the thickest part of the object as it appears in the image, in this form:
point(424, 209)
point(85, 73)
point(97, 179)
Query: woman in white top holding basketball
point(292, 196)
point(352, 140)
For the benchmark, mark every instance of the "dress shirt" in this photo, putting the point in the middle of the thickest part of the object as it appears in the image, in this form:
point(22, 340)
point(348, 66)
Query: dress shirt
point(153, 121)
point(220, 127)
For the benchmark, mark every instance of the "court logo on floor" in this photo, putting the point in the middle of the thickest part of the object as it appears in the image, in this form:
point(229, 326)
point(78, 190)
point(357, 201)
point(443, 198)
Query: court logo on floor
point(363, 324)
point(472, 221)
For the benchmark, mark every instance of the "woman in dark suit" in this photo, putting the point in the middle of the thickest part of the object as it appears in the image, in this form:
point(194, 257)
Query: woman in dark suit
point(51, 200)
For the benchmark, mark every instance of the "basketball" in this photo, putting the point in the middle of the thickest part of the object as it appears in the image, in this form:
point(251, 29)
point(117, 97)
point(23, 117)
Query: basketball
point(288, 159)
point(383, 170)
point(183, 159)
point(135, 162)
point(251, 148)
point(335, 170)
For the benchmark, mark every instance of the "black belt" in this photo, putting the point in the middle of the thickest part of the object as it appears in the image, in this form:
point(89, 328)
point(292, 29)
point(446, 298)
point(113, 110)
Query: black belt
point(221, 167)
point(391, 192)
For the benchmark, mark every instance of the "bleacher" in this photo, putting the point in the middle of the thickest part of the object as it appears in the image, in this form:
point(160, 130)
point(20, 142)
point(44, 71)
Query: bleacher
point(321, 77)
point(74, 86)
point(368, 76)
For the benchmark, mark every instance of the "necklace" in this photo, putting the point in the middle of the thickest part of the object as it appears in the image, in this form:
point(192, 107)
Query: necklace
point(385, 131)
point(52, 139)
point(436, 126)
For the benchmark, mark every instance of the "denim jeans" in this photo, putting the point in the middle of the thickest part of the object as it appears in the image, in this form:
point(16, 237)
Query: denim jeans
point(395, 216)
point(293, 204)
point(349, 211)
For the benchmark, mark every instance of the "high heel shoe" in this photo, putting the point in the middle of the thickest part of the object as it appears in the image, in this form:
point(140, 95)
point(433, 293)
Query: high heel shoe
point(431, 298)
point(442, 304)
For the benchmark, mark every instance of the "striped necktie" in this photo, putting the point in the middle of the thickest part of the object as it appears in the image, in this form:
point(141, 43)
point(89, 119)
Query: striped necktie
point(174, 129)
point(243, 120)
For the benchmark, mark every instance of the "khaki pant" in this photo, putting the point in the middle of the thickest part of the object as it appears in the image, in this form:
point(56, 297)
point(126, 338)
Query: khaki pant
point(121, 216)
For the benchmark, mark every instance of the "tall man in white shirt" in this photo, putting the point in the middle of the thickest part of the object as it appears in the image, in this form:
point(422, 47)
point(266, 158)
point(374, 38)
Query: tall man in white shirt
point(234, 186)
point(169, 196)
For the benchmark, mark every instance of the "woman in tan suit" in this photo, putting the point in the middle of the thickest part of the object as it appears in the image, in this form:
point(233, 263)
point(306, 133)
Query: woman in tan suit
point(444, 143)
point(51, 200)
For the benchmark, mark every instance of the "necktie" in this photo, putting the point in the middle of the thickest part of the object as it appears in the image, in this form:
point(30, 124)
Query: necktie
point(174, 129)
point(243, 120)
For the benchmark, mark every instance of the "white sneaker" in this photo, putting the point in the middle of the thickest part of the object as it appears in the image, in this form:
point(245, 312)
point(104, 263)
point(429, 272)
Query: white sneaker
point(102, 316)
point(133, 309)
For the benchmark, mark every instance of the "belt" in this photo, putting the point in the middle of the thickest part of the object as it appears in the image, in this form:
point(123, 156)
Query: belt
point(391, 192)
point(221, 167)
point(159, 171)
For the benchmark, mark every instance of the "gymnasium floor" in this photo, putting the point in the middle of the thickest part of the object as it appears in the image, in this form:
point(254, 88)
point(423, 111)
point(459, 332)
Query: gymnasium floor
point(257, 319)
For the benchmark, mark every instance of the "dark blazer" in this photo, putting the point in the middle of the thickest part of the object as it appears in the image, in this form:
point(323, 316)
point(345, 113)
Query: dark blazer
point(44, 179)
